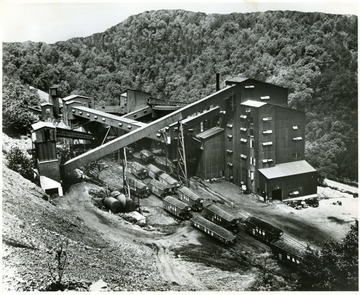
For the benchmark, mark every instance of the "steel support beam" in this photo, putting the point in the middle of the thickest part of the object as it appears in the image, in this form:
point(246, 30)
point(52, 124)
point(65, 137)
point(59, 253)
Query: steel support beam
point(151, 128)
point(138, 113)
point(122, 122)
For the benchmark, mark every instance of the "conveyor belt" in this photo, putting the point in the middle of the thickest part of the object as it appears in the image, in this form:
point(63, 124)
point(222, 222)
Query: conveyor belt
point(147, 130)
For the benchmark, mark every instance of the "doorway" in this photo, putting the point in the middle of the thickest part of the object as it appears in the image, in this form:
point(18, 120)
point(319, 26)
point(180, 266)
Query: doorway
point(277, 194)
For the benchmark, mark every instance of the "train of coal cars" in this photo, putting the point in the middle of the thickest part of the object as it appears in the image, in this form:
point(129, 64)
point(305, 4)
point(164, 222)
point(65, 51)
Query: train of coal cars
point(215, 222)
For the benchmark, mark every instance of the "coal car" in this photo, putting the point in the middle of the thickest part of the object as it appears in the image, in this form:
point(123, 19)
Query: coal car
point(159, 189)
point(288, 250)
point(139, 188)
point(177, 208)
point(138, 170)
point(188, 196)
point(221, 217)
point(215, 231)
point(153, 171)
point(146, 156)
point(168, 180)
point(262, 230)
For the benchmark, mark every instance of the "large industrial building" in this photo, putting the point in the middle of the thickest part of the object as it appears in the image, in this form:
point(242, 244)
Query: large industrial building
point(245, 133)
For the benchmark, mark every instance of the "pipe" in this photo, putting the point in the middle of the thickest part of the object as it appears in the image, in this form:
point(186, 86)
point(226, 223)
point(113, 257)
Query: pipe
point(217, 81)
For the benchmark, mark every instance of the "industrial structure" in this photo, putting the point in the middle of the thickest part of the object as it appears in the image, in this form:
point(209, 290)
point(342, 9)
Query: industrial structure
point(245, 133)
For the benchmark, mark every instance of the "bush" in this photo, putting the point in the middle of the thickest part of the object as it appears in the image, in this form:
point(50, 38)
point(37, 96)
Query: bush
point(19, 162)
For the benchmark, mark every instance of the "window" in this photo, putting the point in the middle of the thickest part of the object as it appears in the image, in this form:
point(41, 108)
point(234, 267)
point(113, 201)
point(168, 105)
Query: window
point(267, 132)
point(243, 140)
point(249, 86)
point(251, 143)
point(230, 136)
point(244, 157)
point(267, 161)
point(243, 117)
point(265, 119)
point(229, 125)
point(252, 161)
point(230, 164)
point(243, 129)
point(297, 138)
point(269, 143)
point(265, 97)
point(229, 152)
point(295, 127)
point(252, 175)
point(247, 110)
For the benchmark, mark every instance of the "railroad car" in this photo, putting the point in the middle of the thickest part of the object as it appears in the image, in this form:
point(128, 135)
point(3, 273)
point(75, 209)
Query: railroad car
point(262, 230)
point(138, 170)
point(139, 188)
point(221, 217)
point(172, 182)
point(146, 156)
point(159, 189)
point(188, 196)
point(177, 208)
point(213, 230)
point(154, 172)
point(288, 250)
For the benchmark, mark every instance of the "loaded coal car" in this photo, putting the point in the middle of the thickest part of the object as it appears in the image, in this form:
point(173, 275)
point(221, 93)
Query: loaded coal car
point(159, 189)
point(138, 170)
point(177, 208)
point(188, 196)
point(146, 156)
point(168, 180)
point(262, 230)
point(139, 188)
point(221, 217)
point(213, 230)
point(154, 172)
point(288, 251)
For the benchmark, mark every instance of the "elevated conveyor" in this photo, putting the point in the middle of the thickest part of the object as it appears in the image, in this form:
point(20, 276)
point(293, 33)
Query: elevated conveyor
point(122, 122)
point(145, 131)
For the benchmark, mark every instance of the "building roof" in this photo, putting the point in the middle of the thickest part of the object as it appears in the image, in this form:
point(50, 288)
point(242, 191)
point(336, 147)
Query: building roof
point(74, 96)
point(237, 79)
point(41, 124)
point(43, 95)
point(210, 132)
point(287, 169)
point(253, 103)
point(47, 183)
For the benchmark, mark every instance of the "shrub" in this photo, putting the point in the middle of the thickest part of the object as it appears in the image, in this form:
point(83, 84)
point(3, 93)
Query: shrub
point(19, 162)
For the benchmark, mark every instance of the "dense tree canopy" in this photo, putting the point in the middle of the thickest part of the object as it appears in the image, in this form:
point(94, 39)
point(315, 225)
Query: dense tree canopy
point(174, 54)
point(334, 268)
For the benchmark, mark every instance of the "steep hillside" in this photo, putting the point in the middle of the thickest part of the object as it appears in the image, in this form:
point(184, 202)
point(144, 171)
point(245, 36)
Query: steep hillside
point(174, 54)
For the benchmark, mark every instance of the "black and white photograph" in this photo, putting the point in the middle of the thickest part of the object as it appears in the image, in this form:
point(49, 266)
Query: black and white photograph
point(192, 146)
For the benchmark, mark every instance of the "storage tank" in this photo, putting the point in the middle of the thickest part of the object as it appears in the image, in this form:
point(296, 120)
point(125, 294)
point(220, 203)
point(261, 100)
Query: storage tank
point(114, 194)
point(130, 205)
point(113, 204)
point(122, 199)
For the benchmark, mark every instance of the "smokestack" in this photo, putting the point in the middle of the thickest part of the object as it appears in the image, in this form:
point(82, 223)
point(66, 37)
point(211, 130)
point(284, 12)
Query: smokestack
point(217, 81)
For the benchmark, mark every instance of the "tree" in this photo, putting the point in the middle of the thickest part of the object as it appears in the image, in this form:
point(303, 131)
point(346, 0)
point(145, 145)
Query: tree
point(268, 278)
point(334, 267)
point(17, 118)
point(19, 162)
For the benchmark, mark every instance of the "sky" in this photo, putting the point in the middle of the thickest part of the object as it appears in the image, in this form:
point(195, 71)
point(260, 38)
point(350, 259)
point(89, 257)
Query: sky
point(59, 20)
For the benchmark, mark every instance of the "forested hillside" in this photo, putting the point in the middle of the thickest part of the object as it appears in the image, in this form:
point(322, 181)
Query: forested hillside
point(175, 54)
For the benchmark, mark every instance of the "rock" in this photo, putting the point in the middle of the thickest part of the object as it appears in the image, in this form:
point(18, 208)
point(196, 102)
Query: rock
point(98, 286)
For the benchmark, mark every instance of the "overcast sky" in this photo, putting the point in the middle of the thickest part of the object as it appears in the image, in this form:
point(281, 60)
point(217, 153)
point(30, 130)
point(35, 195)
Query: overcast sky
point(58, 20)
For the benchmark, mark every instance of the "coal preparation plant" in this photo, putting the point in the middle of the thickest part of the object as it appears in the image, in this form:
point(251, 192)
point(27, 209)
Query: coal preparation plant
point(245, 133)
